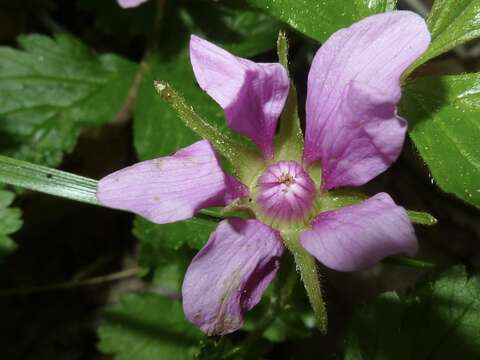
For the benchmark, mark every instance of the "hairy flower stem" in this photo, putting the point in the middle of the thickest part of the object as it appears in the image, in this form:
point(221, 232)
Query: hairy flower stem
point(307, 267)
point(236, 153)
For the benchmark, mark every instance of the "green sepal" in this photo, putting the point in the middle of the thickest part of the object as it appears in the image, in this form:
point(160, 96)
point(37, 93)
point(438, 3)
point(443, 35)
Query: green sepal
point(245, 162)
point(337, 199)
point(289, 141)
point(421, 218)
point(283, 48)
point(408, 262)
point(307, 267)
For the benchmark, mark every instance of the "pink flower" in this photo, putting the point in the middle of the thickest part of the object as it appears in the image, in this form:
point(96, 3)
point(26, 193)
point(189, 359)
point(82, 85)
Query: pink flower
point(352, 129)
point(130, 3)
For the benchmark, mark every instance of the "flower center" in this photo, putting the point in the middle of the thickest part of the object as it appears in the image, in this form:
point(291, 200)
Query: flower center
point(285, 191)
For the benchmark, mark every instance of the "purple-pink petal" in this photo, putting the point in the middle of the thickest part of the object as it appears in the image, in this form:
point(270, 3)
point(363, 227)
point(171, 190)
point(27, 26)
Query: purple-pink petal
point(171, 188)
point(358, 236)
point(252, 95)
point(130, 3)
point(229, 275)
point(353, 89)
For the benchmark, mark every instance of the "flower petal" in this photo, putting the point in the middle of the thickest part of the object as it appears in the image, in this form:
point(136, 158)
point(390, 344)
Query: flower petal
point(353, 90)
point(357, 237)
point(130, 3)
point(229, 275)
point(252, 95)
point(171, 188)
point(367, 140)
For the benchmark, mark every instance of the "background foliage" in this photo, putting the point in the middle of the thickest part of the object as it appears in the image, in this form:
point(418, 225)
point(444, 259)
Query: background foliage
point(83, 282)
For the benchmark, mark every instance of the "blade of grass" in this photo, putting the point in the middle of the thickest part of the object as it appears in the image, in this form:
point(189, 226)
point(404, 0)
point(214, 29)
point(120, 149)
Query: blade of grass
point(47, 180)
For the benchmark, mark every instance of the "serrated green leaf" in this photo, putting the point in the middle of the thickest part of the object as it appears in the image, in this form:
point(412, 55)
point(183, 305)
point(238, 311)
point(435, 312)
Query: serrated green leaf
point(444, 120)
point(52, 88)
point(451, 23)
point(10, 222)
point(146, 327)
point(320, 19)
point(439, 320)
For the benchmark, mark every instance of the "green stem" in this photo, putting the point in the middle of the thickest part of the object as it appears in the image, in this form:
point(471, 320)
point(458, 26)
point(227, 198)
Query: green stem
point(47, 180)
point(307, 268)
point(157, 26)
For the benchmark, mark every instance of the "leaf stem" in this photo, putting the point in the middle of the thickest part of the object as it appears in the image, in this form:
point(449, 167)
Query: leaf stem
point(128, 106)
point(156, 26)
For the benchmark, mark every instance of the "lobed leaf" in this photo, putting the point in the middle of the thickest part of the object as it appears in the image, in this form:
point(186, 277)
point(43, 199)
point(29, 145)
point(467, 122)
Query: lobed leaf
point(438, 320)
point(148, 326)
point(51, 89)
point(10, 222)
